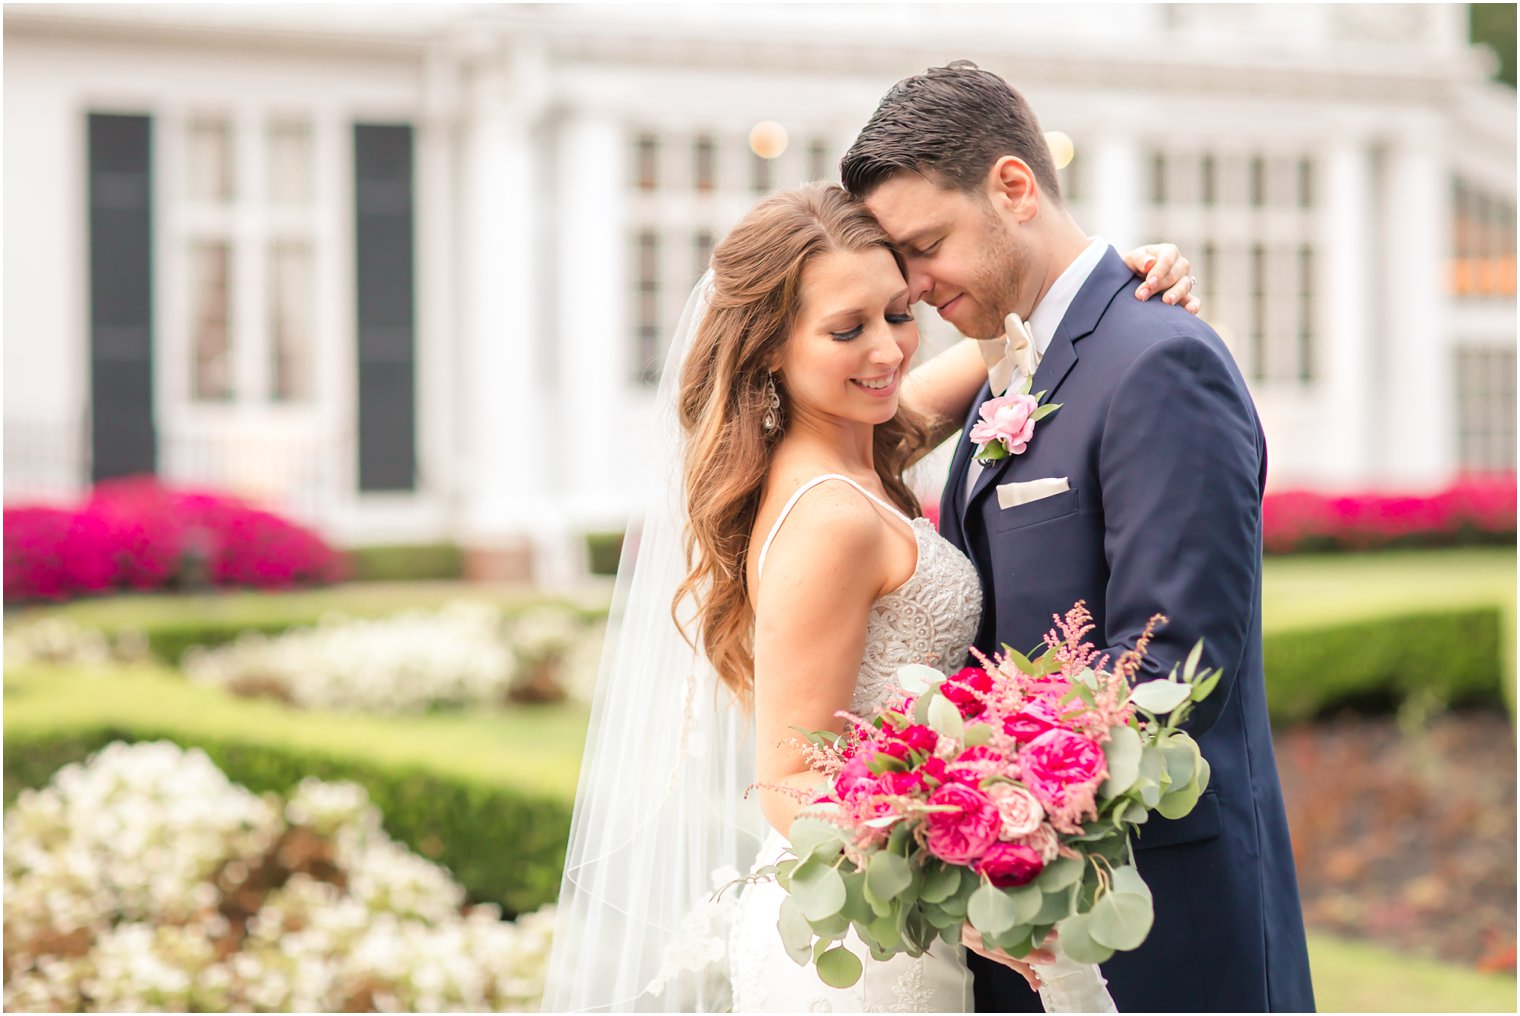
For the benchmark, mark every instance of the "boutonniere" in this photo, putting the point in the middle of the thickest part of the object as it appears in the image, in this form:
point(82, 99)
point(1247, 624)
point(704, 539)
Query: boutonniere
point(1007, 423)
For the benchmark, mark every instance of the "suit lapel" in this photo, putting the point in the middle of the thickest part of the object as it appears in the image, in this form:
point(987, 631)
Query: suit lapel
point(1108, 278)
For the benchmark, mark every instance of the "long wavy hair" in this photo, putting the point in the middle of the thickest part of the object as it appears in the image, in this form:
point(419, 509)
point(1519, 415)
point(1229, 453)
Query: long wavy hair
point(757, 292)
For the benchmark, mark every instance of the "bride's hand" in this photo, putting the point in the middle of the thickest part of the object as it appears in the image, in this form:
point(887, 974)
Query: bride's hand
point(972, 939)
point(1166, 272)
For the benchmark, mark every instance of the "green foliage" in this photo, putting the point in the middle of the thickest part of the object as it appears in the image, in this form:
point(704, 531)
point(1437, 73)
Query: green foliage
point(604, 550)
point(1493, 25)
point(502, 844)
point(409, 562)
point(1452, 654)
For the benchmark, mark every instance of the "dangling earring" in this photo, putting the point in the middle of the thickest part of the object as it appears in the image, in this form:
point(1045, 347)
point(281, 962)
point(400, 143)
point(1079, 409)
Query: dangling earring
point(772, 418)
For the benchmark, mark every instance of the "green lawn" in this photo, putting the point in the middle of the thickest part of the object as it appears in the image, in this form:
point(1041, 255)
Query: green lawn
point(1304, 590)
point(536, 748)
point(1358, 977)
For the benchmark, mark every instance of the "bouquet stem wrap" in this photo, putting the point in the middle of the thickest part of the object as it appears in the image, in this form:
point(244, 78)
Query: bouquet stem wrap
point(1069, 986)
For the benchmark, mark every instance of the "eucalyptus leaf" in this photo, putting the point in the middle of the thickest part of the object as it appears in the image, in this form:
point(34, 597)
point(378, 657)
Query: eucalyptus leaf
point(1059, 874)
point(921, 705)
point(1076, 941)
point(811, 837)
point(945, 718)
point(796, 934)
point(1056, 905)
point(990, 910)
point(1181, 755)
point(1121, 920)
point(940, 882)
point(1123, 752)
point(888, 875)
point(976, 735)
point(839, 968)
point(917, 678)
point(1150, 791)
point(1180, 802)
point(818, 890)
point(951, 934)
point(1126, 879)
point(856, 908)
point(1204, 771)
point(1159, 697)
point(886, 932)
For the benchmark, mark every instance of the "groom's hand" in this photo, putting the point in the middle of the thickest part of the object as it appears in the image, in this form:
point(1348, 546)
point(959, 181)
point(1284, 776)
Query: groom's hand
point(972, 939)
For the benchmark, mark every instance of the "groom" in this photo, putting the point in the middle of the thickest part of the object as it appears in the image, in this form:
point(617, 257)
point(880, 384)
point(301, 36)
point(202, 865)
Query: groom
point(1140, 495)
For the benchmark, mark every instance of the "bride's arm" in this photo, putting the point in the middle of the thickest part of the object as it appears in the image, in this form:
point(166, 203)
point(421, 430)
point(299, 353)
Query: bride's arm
point(942, 388)
point(823, 571)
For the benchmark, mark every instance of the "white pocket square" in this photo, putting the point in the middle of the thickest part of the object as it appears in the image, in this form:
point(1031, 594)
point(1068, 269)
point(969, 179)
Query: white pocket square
point(1011, 495)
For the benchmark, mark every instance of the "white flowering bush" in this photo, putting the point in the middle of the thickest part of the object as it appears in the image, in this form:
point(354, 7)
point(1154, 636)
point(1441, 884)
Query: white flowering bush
point(53, 639)
point(143, 880)
point(465, 654)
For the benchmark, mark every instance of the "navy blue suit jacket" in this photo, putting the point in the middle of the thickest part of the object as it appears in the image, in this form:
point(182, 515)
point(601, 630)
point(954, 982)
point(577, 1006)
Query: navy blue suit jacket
point(1166, 460)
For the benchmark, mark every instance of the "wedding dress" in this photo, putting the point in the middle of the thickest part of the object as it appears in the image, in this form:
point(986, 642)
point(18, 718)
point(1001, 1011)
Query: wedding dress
point(931, 619)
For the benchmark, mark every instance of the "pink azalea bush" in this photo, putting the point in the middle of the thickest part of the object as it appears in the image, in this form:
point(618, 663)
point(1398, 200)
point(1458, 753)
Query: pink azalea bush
point(1003, 795)
point(1476, 509)
point(137, 534)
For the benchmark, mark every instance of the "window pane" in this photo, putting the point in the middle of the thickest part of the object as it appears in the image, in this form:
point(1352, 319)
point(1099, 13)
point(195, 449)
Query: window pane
point(646, 161)
point(705, 153)
point(290, 168)
point(701, 249)
point(209, 153)
point(762, 174)
point(819, 165)
point(210, 314)
point(291, 313)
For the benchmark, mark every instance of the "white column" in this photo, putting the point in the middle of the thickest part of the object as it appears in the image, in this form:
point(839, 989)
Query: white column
point(591, 283)
point(1419, 410)
point(1116, 183)
point(508, 508)
point(1348, 394)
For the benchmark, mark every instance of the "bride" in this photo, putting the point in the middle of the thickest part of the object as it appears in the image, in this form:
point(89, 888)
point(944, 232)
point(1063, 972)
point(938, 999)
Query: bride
point(782, 574)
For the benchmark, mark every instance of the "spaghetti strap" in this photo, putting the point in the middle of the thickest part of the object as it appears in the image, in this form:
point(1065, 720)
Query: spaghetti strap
point(797, 495)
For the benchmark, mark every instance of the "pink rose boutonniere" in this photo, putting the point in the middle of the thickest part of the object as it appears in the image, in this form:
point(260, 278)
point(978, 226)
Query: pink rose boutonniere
point(1007, 424)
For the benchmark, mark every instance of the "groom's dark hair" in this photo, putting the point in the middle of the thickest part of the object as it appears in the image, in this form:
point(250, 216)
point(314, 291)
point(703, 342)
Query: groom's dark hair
point(949, 124)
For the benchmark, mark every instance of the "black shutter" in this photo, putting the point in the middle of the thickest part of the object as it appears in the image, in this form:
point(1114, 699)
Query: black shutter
point(384, 283)
point(122, 439)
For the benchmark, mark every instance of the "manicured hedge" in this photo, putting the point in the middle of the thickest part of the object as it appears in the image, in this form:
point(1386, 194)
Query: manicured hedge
point(603, 551)
point(1451, 655)
point(418, 562)
point(503, 845)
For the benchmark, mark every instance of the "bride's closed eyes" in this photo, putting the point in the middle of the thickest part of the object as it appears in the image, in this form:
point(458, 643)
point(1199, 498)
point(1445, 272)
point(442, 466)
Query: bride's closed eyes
point(898, 317)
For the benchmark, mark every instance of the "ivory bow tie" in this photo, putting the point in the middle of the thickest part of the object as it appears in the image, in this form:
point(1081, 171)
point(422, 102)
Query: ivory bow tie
point(1011, 351)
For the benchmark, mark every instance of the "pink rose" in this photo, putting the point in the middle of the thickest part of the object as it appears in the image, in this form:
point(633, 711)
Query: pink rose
point(900, 783)
point(964, 834)
point(855, 779)
point(1019, 808)
point(1058, 762)
point(919, 738)
point(934, 768)
point(1031, 721)
point(1006, 419)
point(1044, 842)
point(1009, 864)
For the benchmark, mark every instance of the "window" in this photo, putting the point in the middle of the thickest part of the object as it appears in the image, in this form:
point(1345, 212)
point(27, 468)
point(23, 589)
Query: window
point(762, 174)
point(1249, 215)
point(249, 246)
point(210, 320)
point(701, 249)
point(1482, 244)
point(820, 166)
point(705, 163)
point(1486, 409)
point(647, 161)
point(647, 317)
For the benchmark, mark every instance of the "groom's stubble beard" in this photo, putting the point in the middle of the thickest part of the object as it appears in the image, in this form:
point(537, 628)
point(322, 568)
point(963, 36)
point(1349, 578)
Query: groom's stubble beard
point(1000, 279)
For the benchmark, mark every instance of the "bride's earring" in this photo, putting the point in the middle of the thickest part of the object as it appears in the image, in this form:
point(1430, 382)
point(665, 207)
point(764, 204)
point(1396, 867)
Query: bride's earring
point(772, 418)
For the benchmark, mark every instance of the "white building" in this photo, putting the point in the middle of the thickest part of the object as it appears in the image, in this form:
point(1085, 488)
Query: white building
point(402, 271)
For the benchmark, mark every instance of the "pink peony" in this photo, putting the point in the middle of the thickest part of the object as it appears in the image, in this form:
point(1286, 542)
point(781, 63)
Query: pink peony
point(1006, 419)
point(1019, 808)
point(900, 783)
point(963, 835)
point(918, 737)
point(1031, 721)
point(1044, 842)
point(1058, 763)
point(855, 779)
point(1009, 864)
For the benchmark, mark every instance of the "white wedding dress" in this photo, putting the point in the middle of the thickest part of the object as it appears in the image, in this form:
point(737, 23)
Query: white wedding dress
point(931, 618)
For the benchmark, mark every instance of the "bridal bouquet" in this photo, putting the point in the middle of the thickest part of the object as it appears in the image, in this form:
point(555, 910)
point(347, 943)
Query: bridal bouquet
point(1004, 795)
